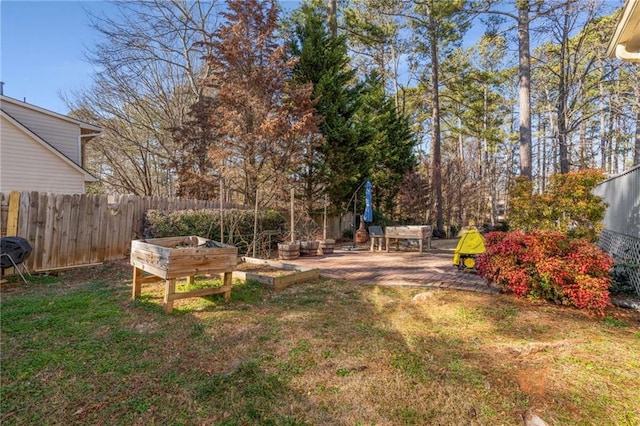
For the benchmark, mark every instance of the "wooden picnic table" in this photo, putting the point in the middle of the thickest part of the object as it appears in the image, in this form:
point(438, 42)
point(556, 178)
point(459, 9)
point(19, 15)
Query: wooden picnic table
point(411, 232)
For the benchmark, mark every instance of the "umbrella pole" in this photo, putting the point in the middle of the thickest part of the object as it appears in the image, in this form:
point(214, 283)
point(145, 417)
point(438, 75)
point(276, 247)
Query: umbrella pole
point(293, 221)
point(355, 202)
point(324, 231)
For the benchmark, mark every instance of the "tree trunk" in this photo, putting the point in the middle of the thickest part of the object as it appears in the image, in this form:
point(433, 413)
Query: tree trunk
point(493, 190)
point(510, 161)
point(562, 100)
point(603, 130)
point(583, 146)
point(541, 135)
point(436, 162)
point(396, 86)
point(608, 151)
point(524, 89)
point(333, 17)
point(552, 134)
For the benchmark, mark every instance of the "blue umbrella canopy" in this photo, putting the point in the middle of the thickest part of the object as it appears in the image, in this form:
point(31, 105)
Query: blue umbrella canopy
point(368, 209)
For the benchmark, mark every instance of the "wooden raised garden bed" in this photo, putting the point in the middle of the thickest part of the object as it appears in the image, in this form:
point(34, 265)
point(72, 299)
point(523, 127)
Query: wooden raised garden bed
point(181, 257)
point(273, 274)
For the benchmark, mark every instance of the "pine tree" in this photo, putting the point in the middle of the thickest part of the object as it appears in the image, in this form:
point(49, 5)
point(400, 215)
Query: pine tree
point(438, 27)
point(390, 147)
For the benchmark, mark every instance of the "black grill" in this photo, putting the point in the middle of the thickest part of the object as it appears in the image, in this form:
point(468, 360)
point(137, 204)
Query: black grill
point(17, 248)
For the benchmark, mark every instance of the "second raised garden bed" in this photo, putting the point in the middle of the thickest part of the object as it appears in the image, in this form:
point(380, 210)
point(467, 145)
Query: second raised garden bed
point(276, 275)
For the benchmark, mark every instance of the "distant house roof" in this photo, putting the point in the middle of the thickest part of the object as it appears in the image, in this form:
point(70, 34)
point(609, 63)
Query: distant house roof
point(84, 126)
point(625, 43)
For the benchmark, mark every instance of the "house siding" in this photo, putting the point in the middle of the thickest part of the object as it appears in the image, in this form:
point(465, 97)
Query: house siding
point(622, 195)
point(60, 134)
point(26, 165)
point(621, 234)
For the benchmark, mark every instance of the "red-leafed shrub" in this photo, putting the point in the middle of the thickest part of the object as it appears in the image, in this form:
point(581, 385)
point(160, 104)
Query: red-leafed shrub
point(548, 265)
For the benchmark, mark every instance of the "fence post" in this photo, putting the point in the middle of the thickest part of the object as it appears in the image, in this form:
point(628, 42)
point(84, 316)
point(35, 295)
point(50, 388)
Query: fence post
point(13, 214)
point(12, 220)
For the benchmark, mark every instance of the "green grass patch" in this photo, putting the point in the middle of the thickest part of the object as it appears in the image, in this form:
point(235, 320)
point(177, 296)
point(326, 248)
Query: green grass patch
point(614, 322)
point(247, 292)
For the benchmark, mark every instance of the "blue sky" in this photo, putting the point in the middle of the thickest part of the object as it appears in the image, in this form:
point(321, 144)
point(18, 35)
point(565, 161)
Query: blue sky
point(42, 45)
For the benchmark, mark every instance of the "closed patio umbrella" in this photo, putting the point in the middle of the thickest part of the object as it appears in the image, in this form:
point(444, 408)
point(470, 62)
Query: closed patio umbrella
point(368, 209)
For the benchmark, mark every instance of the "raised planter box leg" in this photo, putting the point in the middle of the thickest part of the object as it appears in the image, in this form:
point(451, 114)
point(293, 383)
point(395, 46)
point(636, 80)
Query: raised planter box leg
point(169, 290)
point(137, 285)
point(228, 280)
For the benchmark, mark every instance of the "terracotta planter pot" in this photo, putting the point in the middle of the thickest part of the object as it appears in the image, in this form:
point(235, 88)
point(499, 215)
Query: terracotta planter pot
point(361, 234)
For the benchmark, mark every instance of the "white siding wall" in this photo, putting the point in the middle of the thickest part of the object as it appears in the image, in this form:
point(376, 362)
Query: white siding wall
point(26, 165)
point(621, 233)
point(60, 134)
point(622, 195)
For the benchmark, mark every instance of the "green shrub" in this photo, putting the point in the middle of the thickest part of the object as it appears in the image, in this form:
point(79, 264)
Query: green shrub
point(567, 205)
point(548, 265)
point(238, 224)
point(621, 284)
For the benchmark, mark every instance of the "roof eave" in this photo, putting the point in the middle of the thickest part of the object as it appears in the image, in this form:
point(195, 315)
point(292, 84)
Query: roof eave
point(625, 43)
point(83, 126)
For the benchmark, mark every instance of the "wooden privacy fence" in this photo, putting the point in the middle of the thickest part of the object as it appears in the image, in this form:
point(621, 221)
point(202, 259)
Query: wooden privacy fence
point(81, 229)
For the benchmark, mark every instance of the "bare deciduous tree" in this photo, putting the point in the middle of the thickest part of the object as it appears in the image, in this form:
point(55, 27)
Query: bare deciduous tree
point(149, 72)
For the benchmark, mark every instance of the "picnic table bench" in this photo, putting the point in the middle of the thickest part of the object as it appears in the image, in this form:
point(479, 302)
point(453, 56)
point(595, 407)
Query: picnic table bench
point(415, 232)
point(377, 235)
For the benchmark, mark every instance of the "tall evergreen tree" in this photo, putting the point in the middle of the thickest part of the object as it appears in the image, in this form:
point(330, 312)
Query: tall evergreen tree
point(474, 113)
point(524, 13)
point(574, 77)
point(390, 147)
point(377, 41)
point(323, 61)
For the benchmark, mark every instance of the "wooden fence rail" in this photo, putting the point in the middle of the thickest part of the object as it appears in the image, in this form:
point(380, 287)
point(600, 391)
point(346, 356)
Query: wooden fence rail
point(81, 229)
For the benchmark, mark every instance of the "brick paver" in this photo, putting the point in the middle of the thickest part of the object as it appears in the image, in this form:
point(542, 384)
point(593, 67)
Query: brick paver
point(432, 269)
